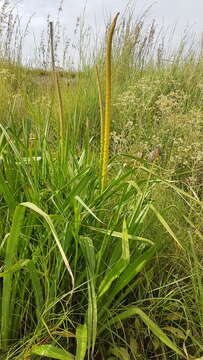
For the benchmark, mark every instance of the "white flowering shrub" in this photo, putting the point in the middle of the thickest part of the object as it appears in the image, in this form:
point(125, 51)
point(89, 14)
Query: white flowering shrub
point(151, 114)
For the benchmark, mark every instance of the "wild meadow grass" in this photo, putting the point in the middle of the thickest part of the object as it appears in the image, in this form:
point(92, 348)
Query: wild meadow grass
point(101, 239)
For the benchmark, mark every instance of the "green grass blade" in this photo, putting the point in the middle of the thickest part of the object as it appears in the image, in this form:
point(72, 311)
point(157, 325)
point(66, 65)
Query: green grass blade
point(7, 194)
point(119, 235)
point(87, 208)
point(89, 254)
point(111, 275)
point(120, 353)
point(165, 225)
point(51, 352)
point(118, 268)
point(198, 286)
point(125, 242)
point(172, 186)
point(54, 233)
point(128, 274)
point(18, 156)
point(81, 337)
point(11, 252)
point(16, 267)
point(155, 329)
point(38, 292)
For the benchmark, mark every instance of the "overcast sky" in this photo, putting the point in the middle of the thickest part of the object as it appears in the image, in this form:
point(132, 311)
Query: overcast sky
point(165, 12)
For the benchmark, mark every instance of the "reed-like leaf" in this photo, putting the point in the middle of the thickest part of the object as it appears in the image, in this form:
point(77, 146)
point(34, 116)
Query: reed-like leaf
point(165, 224)
point(89, 254)
point(119, 267)
point(54, 233)
point(16, 267)
point(81, 337)
point(51, 352)
point(10, 259)
point(155, 329)
point(136, 265)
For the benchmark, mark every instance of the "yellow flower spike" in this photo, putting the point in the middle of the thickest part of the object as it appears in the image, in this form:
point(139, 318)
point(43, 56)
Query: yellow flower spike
point(107, 117)
point(101, 114)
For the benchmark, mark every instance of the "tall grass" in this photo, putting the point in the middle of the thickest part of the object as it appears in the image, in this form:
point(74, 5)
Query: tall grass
point(113, 274)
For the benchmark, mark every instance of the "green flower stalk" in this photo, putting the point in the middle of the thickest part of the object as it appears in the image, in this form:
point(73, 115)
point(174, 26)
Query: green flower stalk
point(57, 86)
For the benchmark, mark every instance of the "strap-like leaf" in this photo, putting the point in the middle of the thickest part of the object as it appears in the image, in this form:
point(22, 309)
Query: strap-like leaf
point(51, 352)
point(81, 336)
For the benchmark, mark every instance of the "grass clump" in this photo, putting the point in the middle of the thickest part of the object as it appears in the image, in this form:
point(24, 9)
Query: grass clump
point(111, 274)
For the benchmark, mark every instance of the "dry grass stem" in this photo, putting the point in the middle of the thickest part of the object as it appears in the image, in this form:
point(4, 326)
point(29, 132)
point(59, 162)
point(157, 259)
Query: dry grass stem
point(57, 85)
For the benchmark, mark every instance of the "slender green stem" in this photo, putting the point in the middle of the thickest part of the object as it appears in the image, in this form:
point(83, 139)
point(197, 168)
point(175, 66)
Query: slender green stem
point(58, 89)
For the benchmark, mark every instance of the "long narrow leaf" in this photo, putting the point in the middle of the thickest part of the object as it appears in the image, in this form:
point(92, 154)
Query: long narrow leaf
point(119, 267)
point(155, 329)
point(165, 225)
point(51, 352)
point(128, 274)
point(81, 337)
point(87, 208)
point(16, 267)
point(52, 228)
point(119, 235)
point(38, 292)
point(7, 193)
point(89, 254)
point(11, 251)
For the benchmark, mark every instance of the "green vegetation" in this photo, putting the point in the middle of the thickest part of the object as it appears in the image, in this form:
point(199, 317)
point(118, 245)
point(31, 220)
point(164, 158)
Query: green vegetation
point(113, 272)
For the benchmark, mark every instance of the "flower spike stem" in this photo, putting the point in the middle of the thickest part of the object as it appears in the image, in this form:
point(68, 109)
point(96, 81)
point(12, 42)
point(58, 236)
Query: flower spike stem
point(58, 90)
